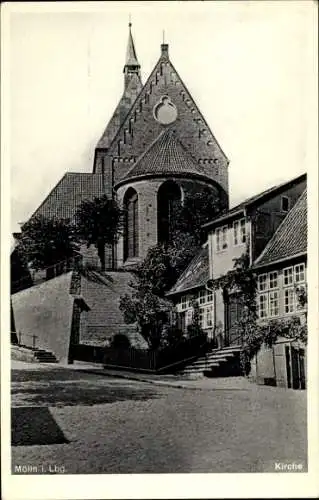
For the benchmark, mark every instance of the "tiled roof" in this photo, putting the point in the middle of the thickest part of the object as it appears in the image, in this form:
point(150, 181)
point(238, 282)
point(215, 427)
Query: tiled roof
point(253, 199)
point(165, 155)
point(290, 239)
point(195, 275)
point(69, 192)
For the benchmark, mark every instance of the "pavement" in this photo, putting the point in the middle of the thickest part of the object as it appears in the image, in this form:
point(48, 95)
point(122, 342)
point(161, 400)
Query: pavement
point(84, 419)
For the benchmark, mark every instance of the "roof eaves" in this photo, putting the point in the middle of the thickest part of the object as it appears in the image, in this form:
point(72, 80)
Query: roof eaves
point(278, 261)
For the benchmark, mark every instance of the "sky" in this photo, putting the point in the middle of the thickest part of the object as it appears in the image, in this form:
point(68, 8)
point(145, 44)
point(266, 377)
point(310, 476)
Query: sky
point(250, 66)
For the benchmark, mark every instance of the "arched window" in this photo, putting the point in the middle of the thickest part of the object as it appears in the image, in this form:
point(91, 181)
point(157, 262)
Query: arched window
point(168, 199)
point(131, 224)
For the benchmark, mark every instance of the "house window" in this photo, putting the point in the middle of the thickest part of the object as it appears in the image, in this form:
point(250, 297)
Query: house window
point(202, 296)
point(209, 296)
point(209, 317)
point(221, 238)
point(239, 232)
point(131, 224)
point(184, 302)
point(262, 282)
point(288, 276)
point(206, 316)
point(273, 280)
point(289, 299)
point(263, 305)
point(273, 304)
point(285, 203)
point(299, 273)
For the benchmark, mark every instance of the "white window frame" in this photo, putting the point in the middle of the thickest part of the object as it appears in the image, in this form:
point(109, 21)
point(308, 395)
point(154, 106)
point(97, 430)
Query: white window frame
point(291, 274)
point(266, 282)
point(265, 296)
point(209, 296)
point(303, 267)
point(203, 316)
point(202, 299)
point(270, 280)
point(273, 296)
point(184, 303)
point(289, 292)
point(239, 231)
point(221, 238)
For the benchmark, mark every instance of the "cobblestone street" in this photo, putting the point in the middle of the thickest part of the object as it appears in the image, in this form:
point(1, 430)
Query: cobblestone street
point(112, 425)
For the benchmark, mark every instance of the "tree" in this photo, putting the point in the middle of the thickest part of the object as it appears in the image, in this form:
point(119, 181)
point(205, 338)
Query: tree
point(165, 262)
point(99, 223)
point(198, 208)
point(47, 242)
point(149, 311)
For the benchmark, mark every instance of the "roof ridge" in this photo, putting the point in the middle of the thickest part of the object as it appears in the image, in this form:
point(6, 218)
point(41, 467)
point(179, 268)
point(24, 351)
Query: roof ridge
point(285, 221)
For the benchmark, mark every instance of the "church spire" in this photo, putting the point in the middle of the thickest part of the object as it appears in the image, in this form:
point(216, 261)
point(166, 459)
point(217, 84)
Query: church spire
point(132, 66)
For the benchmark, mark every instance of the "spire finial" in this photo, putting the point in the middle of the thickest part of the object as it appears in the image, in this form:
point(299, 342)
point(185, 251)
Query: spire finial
point(163, 36)
point(129, 21)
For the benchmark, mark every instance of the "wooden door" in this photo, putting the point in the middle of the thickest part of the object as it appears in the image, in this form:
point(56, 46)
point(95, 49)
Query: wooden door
point(233, 313)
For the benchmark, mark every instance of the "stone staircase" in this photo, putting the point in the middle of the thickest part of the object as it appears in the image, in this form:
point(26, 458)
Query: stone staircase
point(224, 362)
point(43, 356)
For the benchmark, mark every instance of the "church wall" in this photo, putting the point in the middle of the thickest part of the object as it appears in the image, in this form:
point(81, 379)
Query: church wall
point(147, 202)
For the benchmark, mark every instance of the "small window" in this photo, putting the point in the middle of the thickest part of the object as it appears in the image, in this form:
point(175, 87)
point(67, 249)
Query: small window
point(299, 273)
point(285, 203)
point(288, 276)
point(239, 232)
point(273, 304)
point(209, 317)
point(209, 296)
point(273, 280)
point(289, 300)
point(262, 282)
point(184, 302)
point(202, 317)
point(221, 238)
point(263, 306)
point(202, 297)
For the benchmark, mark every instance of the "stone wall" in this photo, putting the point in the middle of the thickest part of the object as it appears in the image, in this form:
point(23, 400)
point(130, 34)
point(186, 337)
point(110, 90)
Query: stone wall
point(46, 311)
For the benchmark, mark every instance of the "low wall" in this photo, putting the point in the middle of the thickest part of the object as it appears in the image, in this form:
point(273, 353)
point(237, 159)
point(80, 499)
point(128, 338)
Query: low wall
point(43, 316)
point(21, 354)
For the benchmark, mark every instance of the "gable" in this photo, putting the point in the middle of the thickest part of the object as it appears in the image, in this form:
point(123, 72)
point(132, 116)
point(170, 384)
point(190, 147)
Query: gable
point(290, 239)
point(140, 127)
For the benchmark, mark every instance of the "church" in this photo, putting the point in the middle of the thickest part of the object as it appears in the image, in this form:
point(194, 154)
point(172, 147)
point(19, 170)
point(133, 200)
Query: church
point(156, 149)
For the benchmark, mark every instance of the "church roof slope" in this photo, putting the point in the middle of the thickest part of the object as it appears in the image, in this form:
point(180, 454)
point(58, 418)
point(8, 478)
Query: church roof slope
point(69, 193)
point(195, 275)
point(290, 239)
point(165, 156)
